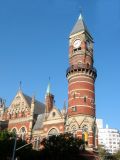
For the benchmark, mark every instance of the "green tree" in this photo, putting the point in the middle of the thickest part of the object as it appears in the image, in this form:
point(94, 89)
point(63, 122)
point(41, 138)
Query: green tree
point(117, 155)
point(7, 140)
point(105, 155)
point(5, 135)
point(63, 146)
point(102, 152)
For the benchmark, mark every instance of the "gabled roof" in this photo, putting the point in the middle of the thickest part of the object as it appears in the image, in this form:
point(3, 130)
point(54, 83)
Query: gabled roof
point(27, 98)
point(47, 117)
point(79, 26)
point(39, 122)
point(39, 107)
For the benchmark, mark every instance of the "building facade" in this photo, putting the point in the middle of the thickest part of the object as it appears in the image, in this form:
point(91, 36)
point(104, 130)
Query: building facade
point(32, 119)
point(109, 138)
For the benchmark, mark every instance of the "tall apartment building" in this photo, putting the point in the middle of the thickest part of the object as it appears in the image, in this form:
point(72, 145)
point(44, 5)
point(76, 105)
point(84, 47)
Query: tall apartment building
point(109, 138)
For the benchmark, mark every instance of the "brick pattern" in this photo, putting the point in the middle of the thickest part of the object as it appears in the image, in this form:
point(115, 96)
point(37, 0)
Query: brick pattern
point(81, 88)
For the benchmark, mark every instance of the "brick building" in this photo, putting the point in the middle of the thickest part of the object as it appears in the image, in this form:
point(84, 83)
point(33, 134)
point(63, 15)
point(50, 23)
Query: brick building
point(30, 118)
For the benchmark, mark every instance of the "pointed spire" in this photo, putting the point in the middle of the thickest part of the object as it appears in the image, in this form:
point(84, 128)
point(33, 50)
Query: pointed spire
point(80, 26)
point(33, 99)
point(80, 17)
point(48, 87)
point(64, 106)
point(20, 85)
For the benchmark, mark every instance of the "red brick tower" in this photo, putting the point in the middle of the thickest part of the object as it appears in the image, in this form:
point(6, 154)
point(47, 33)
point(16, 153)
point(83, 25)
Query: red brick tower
point(81, 77)
point(49, 100)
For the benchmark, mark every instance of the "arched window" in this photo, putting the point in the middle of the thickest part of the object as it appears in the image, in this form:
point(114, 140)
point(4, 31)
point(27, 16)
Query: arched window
point(14, 130)
point(73, 128)
point(22, 133)
point(36, 144)
point(53, 131)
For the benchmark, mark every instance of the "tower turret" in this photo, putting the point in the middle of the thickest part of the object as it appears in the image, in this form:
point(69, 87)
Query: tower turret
point(81, 77)
point(49, 100)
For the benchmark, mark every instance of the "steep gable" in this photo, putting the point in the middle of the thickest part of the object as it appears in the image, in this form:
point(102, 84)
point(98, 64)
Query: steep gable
point(19, 101)
point(54, 114)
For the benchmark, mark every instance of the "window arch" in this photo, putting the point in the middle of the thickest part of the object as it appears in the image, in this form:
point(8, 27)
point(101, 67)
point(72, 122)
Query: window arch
point(14, 130)
point(36, 143)
point(73, 128)
point(22, 133)
point(53, 131)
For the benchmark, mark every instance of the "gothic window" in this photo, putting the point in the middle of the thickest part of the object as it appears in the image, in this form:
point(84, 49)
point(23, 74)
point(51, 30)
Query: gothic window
point(36, 143)
point(23, 114)
point(53, 131)
point(14, 130)
point(73, 128)
point(22, 133)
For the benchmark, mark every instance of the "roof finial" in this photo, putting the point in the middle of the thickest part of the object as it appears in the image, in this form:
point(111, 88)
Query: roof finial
point(80, 16)
point(20, 85)
point(33, 98)
point(64, 106)
point(48, 87)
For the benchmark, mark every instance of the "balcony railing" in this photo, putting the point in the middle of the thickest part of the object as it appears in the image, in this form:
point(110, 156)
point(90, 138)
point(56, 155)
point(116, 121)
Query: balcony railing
point(79, 67)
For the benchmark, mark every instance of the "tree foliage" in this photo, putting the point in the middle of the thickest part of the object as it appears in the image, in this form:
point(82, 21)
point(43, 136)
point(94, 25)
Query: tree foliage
point(105, 155)
point(62, 146)
point(7, 140)
point(102, 152)
point(117, 155)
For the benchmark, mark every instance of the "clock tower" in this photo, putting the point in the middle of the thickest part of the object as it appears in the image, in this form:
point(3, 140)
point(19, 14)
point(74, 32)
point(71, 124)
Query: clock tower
point(81, 76)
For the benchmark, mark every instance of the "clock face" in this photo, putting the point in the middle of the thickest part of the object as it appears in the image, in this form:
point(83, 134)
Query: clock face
point(77, 43)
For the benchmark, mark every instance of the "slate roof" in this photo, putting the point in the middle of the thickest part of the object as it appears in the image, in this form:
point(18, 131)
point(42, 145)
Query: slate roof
point(39, 107)
point(79, 26)
point(39, 122)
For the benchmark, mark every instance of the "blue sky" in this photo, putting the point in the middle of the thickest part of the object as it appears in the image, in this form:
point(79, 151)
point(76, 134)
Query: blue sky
point(34, 45)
